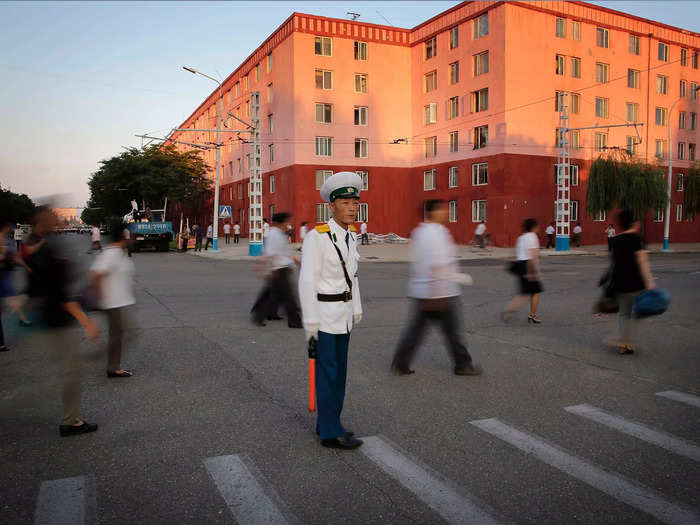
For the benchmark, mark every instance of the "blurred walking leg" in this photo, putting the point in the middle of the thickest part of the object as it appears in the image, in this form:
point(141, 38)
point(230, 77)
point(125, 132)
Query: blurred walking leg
point(410, 339)
point(114, 344)
point(625, 320)
point(449, 320)
point(61, 345)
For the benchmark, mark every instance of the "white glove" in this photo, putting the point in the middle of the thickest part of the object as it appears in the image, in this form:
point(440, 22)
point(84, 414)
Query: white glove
point(356, 318)
point(463, 278)
point(311, 330)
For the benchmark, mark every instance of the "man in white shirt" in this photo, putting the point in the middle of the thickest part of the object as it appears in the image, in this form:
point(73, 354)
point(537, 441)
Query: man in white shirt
point(266, 230)
point(550, 235)
point(210, 237)
point(236, 233)
point(227, 233)
point(577, 234)
point(435, 287)
point(610, 231)
point(127, 239)
point(19, 235)
point(363, 233)
point(479, 234)
point(95, 234)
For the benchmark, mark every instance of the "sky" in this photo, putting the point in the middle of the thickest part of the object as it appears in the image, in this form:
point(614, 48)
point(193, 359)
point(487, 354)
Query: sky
point(79, 79)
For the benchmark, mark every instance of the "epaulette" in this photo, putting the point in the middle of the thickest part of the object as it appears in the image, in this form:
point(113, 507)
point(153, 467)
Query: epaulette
point(322, 228)
point(352, 228)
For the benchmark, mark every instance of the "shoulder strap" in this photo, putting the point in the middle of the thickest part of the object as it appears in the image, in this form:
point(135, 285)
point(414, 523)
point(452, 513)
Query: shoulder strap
point(342, 261)
point(322, 228)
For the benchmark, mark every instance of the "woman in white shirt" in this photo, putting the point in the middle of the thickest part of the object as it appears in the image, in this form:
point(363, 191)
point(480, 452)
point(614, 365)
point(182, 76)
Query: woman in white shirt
point(527, 268)
point(113, 277)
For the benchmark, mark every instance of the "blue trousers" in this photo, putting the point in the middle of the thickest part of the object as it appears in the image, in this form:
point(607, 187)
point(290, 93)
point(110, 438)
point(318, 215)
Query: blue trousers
point(331, 375)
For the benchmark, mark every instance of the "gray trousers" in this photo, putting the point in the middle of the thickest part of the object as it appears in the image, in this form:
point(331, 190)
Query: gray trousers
point(115, 317)
point(626, 322)
point(61, 344)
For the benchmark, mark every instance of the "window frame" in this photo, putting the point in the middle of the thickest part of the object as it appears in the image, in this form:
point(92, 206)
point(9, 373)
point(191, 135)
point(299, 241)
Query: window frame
point(271, 153)
point(481, 26)
point(634, 46)
point(363, 212)
point(661, 85)
point(454, 141)
point(605, 40)
point(452, 211)
point(560, 27)
point(481, 59)
point(660, 116)
point(432, 173)
point(360, 50)
point(663, 52)
point(633, 78)
point(324, 107)
point(358, 112)
point(604, 70)
point(322, 176)
point(430, 147)
point(361, 142)
point(326, 143)
point(575, 64)
point(322, 39)
point(453, 177)
point(600, 141)
point(272, 183)
point(476, 210)
point(560, 68)
point(602, 107)
point(453, 107)
point(430, 114)
point(454, 72)
point(573, 210)
point(576, 30)
point(362, 77)
point(323, 79)
point(430, 75)
point(477, 134)
point(430, 48)
point(364, 175)
point(480, 174)
point(454, 37)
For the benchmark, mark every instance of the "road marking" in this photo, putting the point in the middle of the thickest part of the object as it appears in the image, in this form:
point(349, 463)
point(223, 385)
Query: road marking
point(638, 430)
point(248, 501)
point(682, 397)
point(67, 501)
point(635, 495)
point(451, 503)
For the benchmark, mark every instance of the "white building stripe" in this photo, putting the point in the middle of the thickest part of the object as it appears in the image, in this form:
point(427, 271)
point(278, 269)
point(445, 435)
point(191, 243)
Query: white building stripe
point(643, 432)
point(682, 397)
point(67, 501)
point(248, 501)
point(451, 503)
point(637, 496)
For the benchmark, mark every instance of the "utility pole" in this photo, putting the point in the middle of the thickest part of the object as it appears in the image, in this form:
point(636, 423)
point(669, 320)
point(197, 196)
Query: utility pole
point(255, 212)
point(563, 202)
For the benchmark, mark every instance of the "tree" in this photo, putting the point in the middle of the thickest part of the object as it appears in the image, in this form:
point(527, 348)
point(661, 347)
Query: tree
point(148, 176)
point(691, 190)
point(15, 207)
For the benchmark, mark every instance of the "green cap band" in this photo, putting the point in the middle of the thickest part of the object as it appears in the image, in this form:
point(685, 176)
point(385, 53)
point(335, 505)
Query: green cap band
point(345, 192)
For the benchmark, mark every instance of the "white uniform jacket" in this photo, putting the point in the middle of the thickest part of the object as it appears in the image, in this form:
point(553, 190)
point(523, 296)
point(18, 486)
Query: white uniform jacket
point(322, 272)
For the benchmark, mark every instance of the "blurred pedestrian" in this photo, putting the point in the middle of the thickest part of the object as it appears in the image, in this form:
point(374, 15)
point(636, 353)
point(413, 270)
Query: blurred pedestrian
point(303, 230)
point(550, 231)
point(610, 232)
point(577, 234)
point(95, 235)
point(527, 269)
point(265, 230)
point(210, 238)
point(479, 234)
point(631, 275)
point(112, 275)
point(185, 235)
point(363, 234)
point(236, 233)
point(126, 233)
point(227, 233)
point(434, 286)
point(19, 235)
point(48, 284)
point(290, 232)
point(9, 259)
point(197, 232)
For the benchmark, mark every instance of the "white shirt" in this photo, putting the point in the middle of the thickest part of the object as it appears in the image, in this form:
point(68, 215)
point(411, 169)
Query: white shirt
point(118, 277)
point(525, 243)
point(95, 234)
point(322, 272)
point(611, 232)
point(266, 229)
point(277, 248)
point(549, 230)
point(480, 229)
point(236, 229)
point(126, 233)
point(433, 256)
point(210, 231)
point(227, 229)
point(577, 229)
point(363, 228)
point(302, 232)
point(19, 234)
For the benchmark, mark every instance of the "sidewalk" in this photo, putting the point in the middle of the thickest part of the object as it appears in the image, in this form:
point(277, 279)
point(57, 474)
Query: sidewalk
point(401, 252)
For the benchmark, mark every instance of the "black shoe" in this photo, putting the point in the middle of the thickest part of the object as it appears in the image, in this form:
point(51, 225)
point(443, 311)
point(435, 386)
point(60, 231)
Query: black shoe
point(469, 370)
point(3, 348)
point(348, 433)
point(401, 371)
point(296, 326)
point(258, 322)
point(345, 443)
point(69, 430)
point(123, 373)
point(274, 318)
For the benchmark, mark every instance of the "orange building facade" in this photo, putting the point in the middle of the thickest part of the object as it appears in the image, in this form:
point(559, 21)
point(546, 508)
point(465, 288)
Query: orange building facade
point(461, 107)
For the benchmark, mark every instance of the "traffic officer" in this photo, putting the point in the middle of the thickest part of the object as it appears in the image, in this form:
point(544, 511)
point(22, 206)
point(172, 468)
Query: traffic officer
point(330, 302)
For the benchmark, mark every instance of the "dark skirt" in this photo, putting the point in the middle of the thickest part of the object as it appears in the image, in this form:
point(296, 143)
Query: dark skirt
point(527, 287)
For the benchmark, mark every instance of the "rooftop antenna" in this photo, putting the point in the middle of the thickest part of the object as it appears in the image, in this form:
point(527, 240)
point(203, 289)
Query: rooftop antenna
point(354, 16)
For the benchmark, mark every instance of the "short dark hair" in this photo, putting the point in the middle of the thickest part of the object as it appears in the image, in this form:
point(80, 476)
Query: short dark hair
point(626, 218)
point(281, 217)
point(433, 204)
point(116, 230)
point(529, 224)
point(303, 223)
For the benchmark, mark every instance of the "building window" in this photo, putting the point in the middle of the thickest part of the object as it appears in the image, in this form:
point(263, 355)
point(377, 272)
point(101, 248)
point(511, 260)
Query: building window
point(322, 46)
point(360, 115)
point(575, 106)
point(602, 72)
point(695, 59)
point(479, 100)
point(635, 45)
point(454, 37)
point(478, 211)
point(633, 78)
point(360, 83)
point(693, 91)
point(693, 121)
point(661, 84)
point(573, 175)
point(360, 50)
point(559, 100)
point(631, 147)
point(480, 137)
point(430, 48)
point(364, 175)
point(684, 57)
point(481, 63)
point(601, 107)
point(600, 141)
point(681, 151)
point(271, 151)
point(430, 81)
point(240, 191)
point(237, 89)
point(454, 141)
point(560, 67)
point(682, 89)
point(324, 113)
point(632, 112)
point(575, 139)
point(575, 67)
point(270, 93)
point(576, 31)
point(272, 184)
point(573, 211)
point(269, 63)
point(270, 123)
point(430, 113)
point(480, 174)
point(257, 72)
point(324, 146)
point(663, 52)
point(679, 182)
point(453, 177)
point(560, 30)
point(660, 116)
point(321, 177)
point(681, 119)
point(238, 165)
point(452, 208)
point(679, 212)
point(602, 37)
point(453, 108)
point(363, 212)
point(429, 177)
point(245, 83)
point(361, 148)
point(660, 149)
point(323, 212)
point(247, 108)
point(481, 26)
point(324, 79)
point(430, 144)
point(454, 72)
point(691, 151)
point(230, 170)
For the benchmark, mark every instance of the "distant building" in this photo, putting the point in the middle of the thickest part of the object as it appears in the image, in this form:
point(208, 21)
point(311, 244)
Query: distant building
point(461, 107)
point(67, 215)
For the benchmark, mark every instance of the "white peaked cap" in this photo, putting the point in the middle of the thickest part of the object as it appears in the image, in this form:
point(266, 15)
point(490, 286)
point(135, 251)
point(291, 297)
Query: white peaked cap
point(349, 181)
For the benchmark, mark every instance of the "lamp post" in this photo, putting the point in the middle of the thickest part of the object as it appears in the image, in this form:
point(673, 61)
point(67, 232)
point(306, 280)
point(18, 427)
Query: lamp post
point(219, 111)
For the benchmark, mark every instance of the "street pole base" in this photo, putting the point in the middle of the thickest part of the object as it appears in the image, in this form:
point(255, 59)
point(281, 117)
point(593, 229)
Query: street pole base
point(562, 244)
point(666, 245)
point(255, 249)
point(215, 244)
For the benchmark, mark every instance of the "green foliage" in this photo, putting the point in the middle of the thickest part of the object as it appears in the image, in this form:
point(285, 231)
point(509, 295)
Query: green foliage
point(691, 190)
point(146, 175)
point(625, 184)
point(15, 207)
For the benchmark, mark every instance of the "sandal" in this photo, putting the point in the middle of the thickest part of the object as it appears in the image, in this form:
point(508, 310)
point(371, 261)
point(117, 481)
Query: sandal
point(625, 349)
point(123, 373)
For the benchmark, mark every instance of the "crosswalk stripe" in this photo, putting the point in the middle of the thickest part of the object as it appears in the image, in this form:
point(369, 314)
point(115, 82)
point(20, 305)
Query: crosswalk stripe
point(248, 501)
point(682, 397)
point(67, 501)
point(638, 430)
point(451, 503)
point(637, 496)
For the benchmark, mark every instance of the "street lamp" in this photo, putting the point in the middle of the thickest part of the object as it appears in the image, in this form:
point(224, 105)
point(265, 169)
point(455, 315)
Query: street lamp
point(218, 153)
point(667, 218)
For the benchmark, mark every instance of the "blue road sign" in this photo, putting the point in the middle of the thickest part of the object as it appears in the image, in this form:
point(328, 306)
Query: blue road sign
point(224, 212)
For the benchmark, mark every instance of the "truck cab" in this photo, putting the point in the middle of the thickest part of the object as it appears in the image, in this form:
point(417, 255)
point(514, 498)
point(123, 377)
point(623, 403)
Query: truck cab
point(149, 228)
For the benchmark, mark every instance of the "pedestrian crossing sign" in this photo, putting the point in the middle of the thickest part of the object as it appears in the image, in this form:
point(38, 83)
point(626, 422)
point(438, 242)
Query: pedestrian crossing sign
point(225, 212)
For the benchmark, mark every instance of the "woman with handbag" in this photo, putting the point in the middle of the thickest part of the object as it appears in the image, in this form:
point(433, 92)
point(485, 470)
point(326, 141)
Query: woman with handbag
point(527, 268)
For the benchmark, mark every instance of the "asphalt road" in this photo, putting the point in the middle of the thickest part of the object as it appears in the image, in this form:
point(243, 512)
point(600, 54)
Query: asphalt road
point(214, 425)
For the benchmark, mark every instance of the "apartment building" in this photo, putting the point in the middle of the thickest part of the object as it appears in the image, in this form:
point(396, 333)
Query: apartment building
point(463, 107)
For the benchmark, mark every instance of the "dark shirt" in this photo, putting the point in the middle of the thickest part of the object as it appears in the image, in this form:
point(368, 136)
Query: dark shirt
point(627, 276)
point(48, 281)
point(197, 232)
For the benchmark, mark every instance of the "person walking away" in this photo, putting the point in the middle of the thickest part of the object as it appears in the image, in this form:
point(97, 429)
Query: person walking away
point(19, 235)
point(363, 233)
point(330, 302)
point(527, 269)
point(210, 237)
point(279, 269)
point(479, 234)
point(434, 288)
point(303, 230)
point(126, 234)
point(48, 284)
point(112, 275)
point(9, 259)
point(236, 233)
point(550, 236)
point(266, 230)
point(577, 234)
point(185, 238)
point(290, 233)
point(631, 275)
point(227, 233)
point(96, 246)
point(197, 232)
point(610, 232)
